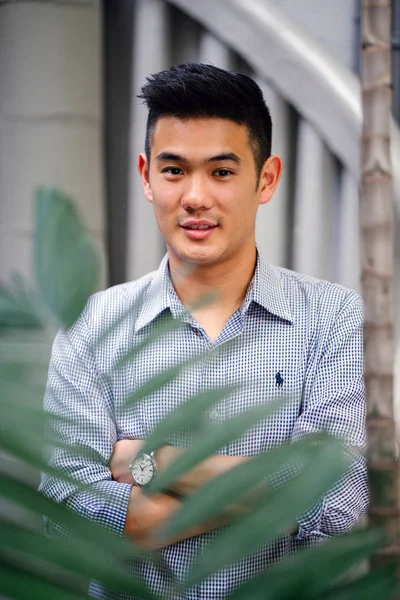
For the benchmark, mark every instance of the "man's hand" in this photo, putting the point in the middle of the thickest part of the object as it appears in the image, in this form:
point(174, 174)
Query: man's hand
point(148, 514)
point(124, 452)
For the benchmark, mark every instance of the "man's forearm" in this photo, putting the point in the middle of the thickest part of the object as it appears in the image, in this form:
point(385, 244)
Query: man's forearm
point(186, 484)
point(210, 468)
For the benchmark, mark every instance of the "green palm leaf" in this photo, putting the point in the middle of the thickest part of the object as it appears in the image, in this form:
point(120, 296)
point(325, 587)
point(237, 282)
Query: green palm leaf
point(66, 264)
point(275, 515)
point(168, 326)
point(78, 527)
point(16, 310)
point(218, 493)
point(380, 583)
point(214, 438)
point(310, 572)
point(81, 559)
point(187, 415)
point(19, 583)
point(161, 379)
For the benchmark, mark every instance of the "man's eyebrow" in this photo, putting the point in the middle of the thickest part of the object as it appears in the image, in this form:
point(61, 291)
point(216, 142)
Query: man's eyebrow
point(182, 159)
point(225, 156)
point(171, 156)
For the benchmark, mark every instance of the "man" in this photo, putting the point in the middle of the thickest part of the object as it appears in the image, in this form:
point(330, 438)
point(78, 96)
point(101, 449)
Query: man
point(206, 169)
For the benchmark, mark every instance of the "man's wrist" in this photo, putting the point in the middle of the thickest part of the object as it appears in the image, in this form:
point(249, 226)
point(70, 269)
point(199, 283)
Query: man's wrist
point(165, 456)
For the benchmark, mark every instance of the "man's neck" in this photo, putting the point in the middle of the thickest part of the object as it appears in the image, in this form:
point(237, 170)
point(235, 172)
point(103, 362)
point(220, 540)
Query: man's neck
point(227, 282)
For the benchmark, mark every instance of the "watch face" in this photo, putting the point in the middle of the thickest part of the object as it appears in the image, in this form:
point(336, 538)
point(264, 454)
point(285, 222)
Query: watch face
point(143, 469)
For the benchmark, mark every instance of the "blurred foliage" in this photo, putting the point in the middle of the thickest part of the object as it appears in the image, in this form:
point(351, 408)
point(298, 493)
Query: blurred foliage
point(33, 566)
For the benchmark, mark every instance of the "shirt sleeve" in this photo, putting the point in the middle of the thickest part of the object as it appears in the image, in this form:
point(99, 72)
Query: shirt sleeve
point(336, 404)
point(77, 393)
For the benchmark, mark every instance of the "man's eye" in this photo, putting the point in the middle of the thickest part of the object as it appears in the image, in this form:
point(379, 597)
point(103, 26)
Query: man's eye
point(223, 173)
point(173, 171)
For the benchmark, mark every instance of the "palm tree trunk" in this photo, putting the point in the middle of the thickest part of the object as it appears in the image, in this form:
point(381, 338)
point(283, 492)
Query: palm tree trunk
point(377, 249)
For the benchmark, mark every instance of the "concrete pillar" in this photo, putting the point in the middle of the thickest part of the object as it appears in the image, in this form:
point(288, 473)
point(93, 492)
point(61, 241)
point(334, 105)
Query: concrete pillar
point(314, 215)
point(214, 52)
point(273, 226)
point(50, 118)
point(145, 246)
point(348, 263)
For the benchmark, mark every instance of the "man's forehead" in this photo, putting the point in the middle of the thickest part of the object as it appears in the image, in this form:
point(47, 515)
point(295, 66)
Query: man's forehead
point(195, 122)
point(210, 136)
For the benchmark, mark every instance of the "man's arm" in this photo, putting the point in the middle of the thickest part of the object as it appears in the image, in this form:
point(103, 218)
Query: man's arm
point(210, 468)
point(336, 404)
point(77, 392)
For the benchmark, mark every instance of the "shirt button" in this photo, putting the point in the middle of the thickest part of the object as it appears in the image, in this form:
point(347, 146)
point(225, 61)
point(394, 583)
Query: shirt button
point(214, 414)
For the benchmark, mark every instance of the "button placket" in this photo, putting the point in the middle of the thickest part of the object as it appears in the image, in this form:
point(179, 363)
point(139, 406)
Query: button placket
point(214, 414)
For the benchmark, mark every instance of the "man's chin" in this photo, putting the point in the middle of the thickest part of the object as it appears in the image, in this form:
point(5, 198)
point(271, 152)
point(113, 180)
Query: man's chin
point(199, 258)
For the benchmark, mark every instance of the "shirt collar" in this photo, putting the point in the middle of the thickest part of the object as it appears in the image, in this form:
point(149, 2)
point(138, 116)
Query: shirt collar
point(265, 289)
point(159, 297)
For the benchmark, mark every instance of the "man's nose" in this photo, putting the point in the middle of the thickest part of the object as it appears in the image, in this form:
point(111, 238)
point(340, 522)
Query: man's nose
point(195, 196)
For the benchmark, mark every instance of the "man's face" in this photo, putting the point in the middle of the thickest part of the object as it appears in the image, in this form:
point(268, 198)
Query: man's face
point(202, 182)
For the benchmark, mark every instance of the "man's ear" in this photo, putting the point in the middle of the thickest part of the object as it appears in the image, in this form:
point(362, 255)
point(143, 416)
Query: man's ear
point(269, 178)
point(143, 168)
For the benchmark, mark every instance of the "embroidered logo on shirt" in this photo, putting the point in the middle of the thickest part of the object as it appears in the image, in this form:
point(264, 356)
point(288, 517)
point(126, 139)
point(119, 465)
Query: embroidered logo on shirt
point(279, 380)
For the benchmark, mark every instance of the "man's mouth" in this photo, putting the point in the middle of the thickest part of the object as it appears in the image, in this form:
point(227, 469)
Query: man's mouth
point(198, 226)
point(197, 230)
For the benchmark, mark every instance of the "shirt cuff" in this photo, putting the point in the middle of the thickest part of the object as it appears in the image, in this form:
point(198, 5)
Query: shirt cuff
point(303, 534)
point(310, 523)
point(106, 505)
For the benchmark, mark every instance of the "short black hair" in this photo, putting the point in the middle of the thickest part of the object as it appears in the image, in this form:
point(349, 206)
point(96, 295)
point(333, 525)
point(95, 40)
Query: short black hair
point(201, 90)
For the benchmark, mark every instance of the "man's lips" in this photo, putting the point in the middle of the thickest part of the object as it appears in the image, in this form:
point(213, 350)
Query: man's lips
point(197, 224)
point(198, 230)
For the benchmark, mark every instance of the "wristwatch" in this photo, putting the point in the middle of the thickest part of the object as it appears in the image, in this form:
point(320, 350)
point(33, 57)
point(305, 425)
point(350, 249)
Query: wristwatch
point(143, 468)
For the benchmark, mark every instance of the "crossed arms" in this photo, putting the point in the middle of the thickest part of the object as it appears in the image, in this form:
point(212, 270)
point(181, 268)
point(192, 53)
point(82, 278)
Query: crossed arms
point(147, 514)
point(78, 391)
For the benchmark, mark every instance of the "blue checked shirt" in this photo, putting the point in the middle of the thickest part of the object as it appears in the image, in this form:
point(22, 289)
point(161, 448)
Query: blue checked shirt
point(293, 336)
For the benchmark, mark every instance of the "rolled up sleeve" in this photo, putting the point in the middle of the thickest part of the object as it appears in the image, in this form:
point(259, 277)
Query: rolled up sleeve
point(80, 411)
point(336, 404)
